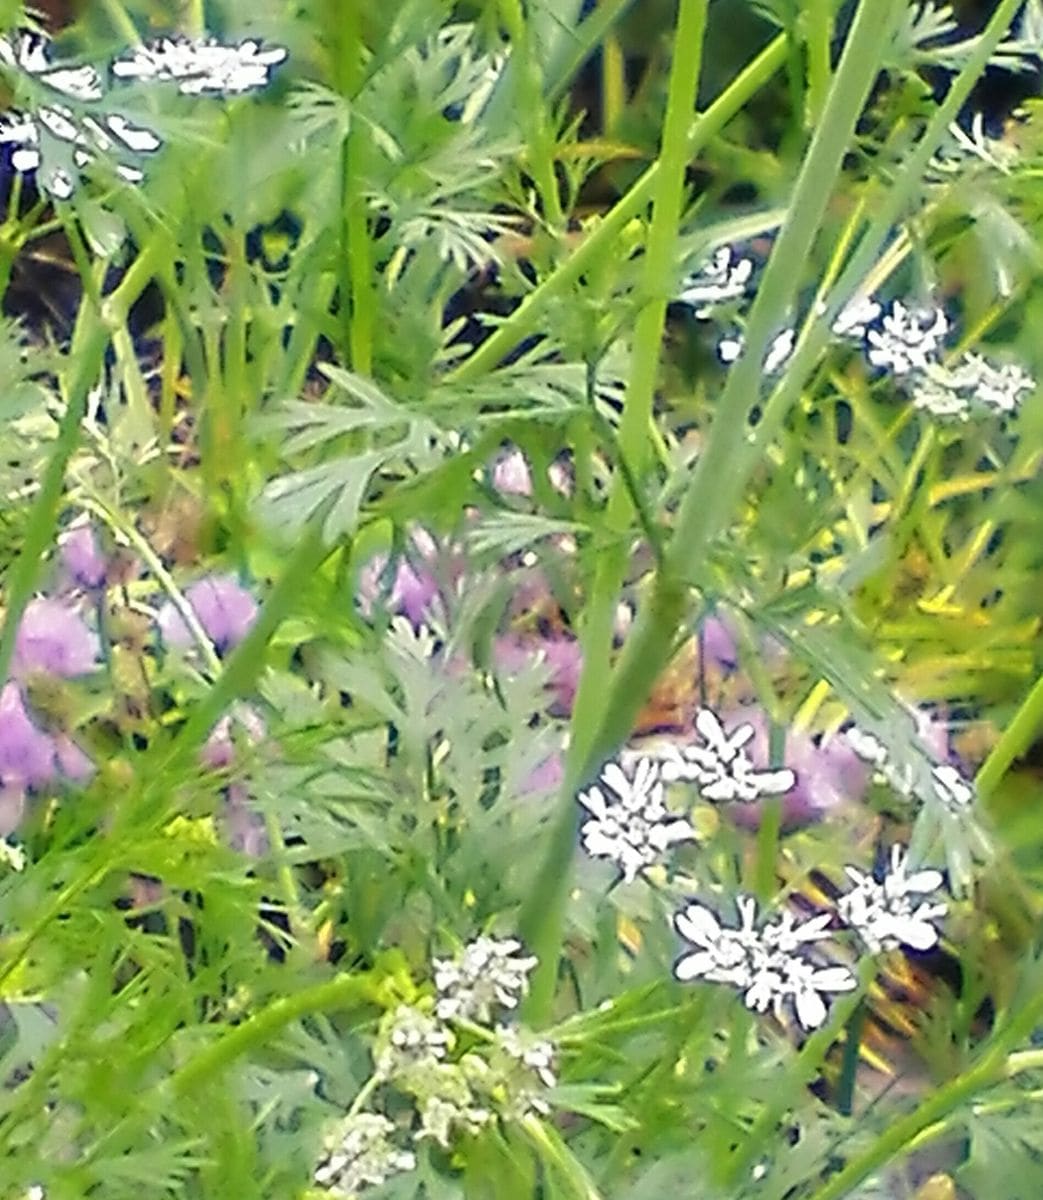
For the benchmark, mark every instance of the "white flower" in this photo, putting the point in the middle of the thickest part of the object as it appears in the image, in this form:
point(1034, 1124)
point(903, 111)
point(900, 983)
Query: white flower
point(411, 1039)
point(883, 915)
point(487, 974)
point(867, 746)
point(53, 139)
point(935, 391)
point(855, 317)
point(13, 856)
point(766, 965)
point(31, 53)
point(439, 1115)
point(729, 349)
point(537, 1054)
point(723, 277)
point(359, 1153)
point(908, 340)
point(955, 793)
point(201, 66)
point(629, 823)
point(998, 387)
point(523, 1068)
point(779, 351)
point(722, 770)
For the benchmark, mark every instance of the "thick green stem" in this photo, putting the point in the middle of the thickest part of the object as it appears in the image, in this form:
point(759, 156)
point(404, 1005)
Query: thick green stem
point(542, 921)
point(718, 481)
point(261, 1028)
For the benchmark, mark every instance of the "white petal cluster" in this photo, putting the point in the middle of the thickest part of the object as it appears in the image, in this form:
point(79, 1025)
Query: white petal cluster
point(11, 855)
point(731, 348)
point(57, 143)
point(30, 53)
point(202, 66)
point(359, 1153)
point(908, 339)
point(87, 137)
point(947, 785)
point(722, 770)
point(954, 792)
point(527, 1066)
point(855, 317)
point(441, 1117)
point(629, 823)
point(889, 913)
point(767, 965)
point(724, 277)
point(487, 974)
point(411, 1039)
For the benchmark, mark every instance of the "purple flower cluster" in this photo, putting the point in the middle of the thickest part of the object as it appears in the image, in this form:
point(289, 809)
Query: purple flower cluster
point(225, 610)
point(52, 641)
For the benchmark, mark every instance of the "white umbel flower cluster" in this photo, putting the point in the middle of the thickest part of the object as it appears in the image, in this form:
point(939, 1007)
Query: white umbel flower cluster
point(30, 53)
point(725, 276)
point(629, 823)
point(721, 769)
point(904, 341)
point(58, 143)
point(359, 1153)
point(947, 786)
point(768, 965)
point(891, 912)
point(411, 1039)
point(488, 973)
point(202, 66)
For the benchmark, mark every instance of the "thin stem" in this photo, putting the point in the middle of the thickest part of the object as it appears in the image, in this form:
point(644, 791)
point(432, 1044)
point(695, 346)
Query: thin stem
point(43, 518)
point(263, 1026)
point(719, 479)
point(601, 241)
point(529, 97)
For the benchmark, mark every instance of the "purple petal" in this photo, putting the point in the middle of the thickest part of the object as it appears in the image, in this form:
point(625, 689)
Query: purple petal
point(225, 610)
point(27, 755)
point(80, 557)
point(53, 638)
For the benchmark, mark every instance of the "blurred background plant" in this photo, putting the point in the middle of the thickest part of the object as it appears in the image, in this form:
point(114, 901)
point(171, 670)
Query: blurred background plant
point(401, 449)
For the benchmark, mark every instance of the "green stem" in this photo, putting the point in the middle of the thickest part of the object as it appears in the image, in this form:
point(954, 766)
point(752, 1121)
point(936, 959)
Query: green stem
point(244, 664)
point(43, 518)
point(356, 263)
point(818, 34)
point(992, 1068)
point(719, 481)
point(1013, 742)
point(601, 241)
point(262, 1027)
point(660, 251)
point(543, 918)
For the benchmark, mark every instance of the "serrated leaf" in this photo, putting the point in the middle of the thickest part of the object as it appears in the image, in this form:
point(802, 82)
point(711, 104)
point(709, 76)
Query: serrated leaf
point(506, 533)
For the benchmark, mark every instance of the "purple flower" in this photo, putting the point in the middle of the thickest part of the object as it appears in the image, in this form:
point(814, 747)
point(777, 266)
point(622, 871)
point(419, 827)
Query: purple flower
point(224, 608)
point(53, 638)
point(219, 750)
point(75, 765)
point(27, 756)
point(511, 476)
point(244, 828)
point(81, 558)
point(828, 773)
point(513, 651)
point(415, 590)
point(717, 644)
